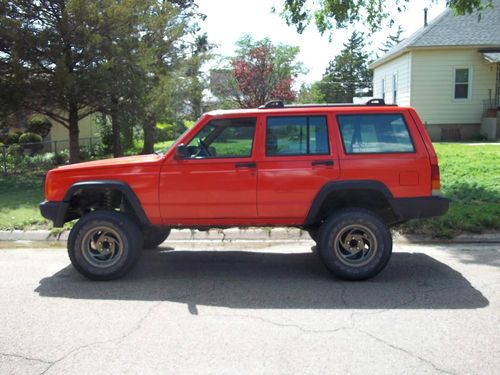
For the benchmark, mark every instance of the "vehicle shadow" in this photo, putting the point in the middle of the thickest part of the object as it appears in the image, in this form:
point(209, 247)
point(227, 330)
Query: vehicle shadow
point(258, 280)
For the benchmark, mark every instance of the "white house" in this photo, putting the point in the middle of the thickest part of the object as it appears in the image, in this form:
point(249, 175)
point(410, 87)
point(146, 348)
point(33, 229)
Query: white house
point(449, 71)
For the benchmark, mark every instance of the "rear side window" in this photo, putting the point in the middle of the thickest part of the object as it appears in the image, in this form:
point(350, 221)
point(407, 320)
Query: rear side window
point(296, 135)
point(375, 134)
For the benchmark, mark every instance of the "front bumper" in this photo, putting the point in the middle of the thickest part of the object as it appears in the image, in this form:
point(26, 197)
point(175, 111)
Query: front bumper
point(419, 208)
point(55, 211)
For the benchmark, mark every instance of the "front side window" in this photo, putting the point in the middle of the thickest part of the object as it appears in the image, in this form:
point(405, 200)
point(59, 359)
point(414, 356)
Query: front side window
point(227, 138)
point(462, 83)
point(296, 135)
point(375, 134)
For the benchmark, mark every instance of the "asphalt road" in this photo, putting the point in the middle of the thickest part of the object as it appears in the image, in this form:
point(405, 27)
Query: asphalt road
point(250, 308)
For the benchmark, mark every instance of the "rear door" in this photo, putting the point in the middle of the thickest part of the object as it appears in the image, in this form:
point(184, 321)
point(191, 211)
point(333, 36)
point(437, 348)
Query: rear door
point(297, 158)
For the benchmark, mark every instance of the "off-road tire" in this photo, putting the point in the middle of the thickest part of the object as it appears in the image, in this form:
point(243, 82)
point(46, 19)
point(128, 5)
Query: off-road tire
point(153, 237)
point(355, 244)
point(117, 234)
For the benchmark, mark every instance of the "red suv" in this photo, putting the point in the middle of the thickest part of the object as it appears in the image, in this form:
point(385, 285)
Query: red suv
point(344, 173)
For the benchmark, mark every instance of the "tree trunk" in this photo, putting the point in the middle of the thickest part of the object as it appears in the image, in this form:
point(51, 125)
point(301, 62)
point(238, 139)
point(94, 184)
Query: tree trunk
point(116, 128)
point(149, 135)
point(74, 134)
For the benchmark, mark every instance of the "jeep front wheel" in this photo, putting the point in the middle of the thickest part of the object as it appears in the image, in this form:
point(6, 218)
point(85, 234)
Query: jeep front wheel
point(104, 245)
point(355, 244)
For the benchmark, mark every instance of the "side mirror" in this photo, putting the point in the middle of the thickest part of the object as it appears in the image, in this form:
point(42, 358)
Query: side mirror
point(180, 151)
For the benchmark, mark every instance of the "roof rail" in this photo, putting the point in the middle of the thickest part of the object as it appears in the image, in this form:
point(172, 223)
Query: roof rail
point(371, 103)
point(273, 104)
point(375, 101)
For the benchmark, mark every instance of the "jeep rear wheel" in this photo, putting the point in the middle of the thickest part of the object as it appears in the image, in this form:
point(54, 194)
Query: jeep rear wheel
point(355, 244)
point(104, 245)
point(153, 237)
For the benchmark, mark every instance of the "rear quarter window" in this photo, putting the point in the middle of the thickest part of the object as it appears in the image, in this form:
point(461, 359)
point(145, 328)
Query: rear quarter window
point(375, 134)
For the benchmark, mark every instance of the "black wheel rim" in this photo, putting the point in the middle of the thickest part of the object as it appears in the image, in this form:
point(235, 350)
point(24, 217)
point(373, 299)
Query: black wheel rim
point(355, 245)
point(102, 247)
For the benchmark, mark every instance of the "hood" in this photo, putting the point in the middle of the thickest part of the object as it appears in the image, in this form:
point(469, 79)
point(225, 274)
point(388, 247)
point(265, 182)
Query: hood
point(126, 161)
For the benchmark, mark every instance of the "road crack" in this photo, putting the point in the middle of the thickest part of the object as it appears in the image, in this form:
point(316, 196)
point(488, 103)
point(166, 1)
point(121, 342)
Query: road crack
point(278, 324)
point(136, 328)
point(26, 358)
point(414, 355)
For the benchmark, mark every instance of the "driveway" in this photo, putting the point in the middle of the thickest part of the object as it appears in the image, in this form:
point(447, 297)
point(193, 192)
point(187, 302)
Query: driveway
point(252, 308)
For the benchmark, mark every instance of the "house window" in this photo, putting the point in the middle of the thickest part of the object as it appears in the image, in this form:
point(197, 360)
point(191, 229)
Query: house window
point(395, 88)
point(383, 88)
point(462, 83)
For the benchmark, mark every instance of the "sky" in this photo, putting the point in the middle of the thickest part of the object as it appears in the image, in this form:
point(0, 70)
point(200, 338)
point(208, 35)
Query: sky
point(228, 20)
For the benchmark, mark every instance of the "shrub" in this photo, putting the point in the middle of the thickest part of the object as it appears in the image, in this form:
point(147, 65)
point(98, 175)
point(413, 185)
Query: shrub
point(15, 150)
point(31, 142)
point(10, 138)
point(30, 138)
point(36, 163)
point(40, 125)
point(60, 158)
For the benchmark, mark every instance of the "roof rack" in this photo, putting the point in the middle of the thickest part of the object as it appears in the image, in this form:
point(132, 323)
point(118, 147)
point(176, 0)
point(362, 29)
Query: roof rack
point(273, 104)
point(372, 102)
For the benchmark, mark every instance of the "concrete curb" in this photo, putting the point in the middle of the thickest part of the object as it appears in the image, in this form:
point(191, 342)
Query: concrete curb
point(254, 234)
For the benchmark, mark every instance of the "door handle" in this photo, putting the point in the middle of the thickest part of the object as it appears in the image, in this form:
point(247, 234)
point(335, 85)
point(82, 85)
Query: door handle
point(246, 165)
point(322, 162)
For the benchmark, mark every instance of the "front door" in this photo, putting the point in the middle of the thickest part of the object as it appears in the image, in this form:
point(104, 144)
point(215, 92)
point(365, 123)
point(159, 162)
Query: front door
point(216, 180)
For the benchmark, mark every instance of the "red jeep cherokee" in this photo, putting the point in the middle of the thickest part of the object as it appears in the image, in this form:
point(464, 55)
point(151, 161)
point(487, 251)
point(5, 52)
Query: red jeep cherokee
point(344, 173)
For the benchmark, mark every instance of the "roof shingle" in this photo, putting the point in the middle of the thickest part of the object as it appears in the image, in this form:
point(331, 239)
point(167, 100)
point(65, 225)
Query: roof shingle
point(477, 29)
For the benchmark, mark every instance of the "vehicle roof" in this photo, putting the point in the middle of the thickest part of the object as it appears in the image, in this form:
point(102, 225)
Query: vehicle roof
point(307, 109)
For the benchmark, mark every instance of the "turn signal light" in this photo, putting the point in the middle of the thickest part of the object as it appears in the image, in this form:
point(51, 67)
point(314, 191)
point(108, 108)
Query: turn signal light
point(435, 180)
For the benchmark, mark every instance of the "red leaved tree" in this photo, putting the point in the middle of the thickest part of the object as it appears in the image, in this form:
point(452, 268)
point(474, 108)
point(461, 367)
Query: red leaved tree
point(261, 72)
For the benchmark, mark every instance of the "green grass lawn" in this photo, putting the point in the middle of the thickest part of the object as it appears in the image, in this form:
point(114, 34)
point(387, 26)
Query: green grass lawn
point(470, 178)
point(19, 199)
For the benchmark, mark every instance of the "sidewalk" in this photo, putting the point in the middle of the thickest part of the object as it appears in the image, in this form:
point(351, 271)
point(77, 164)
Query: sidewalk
point(252, 234)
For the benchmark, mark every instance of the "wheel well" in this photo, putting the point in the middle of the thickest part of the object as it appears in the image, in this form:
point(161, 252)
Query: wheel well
point(370, 199)
point(84, 201)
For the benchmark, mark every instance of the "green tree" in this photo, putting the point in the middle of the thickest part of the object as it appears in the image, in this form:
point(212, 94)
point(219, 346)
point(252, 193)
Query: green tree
point(331, 14)
point(348, 73)
point(392, 40)
point(197, 80)
point(68, 59)
point(48, 55)
point(311, 94)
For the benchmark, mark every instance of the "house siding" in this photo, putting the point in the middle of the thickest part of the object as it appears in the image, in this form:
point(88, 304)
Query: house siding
point(432, 89)
point(400, 66)
point(58, 137)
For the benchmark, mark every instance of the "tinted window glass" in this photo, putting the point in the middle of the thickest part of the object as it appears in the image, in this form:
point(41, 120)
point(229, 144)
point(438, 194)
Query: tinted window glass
point(297, 135)
point(223, 138)
point(375, 134)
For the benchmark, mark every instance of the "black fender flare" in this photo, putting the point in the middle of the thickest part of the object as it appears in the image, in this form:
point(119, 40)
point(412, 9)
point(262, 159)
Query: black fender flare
point(120, 186)
point(336, 186)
